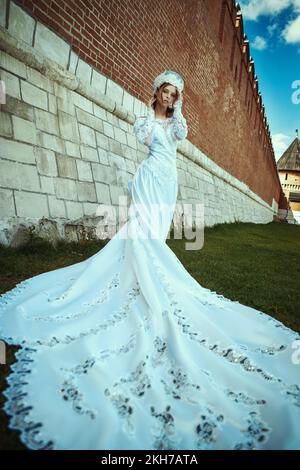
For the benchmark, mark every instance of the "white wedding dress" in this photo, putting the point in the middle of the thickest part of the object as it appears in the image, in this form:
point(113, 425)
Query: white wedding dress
point(125, 350)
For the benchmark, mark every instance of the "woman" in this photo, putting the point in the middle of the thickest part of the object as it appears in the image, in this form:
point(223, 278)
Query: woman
point(125, 350)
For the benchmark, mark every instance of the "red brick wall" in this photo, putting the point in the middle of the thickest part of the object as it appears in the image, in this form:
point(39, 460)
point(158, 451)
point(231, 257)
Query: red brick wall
point(132, 41)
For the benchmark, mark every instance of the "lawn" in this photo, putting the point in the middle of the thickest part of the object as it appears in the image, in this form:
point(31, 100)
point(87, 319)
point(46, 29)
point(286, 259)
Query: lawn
point(255, 264)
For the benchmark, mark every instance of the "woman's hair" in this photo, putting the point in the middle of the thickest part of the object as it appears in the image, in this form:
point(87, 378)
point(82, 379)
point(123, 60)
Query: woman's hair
point(170, 111)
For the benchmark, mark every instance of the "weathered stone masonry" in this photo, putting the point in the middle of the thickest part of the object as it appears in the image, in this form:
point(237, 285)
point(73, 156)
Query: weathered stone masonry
point(66, 140)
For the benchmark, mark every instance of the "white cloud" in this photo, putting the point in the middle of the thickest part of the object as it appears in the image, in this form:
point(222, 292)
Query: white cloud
point(252, 9)
point(280, 143)
point(291, 32)
point(259, 43)
point(296, 4)
point(271, 28)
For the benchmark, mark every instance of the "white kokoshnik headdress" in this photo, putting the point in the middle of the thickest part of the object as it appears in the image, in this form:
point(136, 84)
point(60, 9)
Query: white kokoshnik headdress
point(169, 76)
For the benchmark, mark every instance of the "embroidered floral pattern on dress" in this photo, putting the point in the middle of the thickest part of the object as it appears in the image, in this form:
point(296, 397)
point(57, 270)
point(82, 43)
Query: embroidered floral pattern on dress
point(228, 353)
point(271, 350)
point(87, 306)
point(163, 430)
point(69, 392)
point(138, 380)
point(242, 397)
point(159, 353)
point(206, 433)
point(124, 409)
point(119, 315)
point(293, 394)
point(255, 434)
point(87, 364)
point(176, 383)
point(179, 386)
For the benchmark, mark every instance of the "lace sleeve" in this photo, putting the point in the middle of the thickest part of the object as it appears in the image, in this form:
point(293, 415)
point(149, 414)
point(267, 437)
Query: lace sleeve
point(143, 127)
point(179, 125)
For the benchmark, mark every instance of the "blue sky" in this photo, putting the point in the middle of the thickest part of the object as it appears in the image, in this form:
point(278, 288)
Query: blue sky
point(273, 31)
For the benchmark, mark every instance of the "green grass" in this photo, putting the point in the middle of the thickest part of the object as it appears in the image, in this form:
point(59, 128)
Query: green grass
point(255, 264)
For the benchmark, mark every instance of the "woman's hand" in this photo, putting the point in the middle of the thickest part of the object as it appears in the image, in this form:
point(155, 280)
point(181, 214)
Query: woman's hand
point(178, 100)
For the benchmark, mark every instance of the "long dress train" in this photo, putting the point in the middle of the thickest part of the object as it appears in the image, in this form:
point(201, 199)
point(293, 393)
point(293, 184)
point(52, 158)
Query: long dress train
point(125, 350)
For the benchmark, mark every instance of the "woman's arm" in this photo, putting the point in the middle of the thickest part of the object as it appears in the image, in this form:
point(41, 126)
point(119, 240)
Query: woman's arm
point(143, 127)
point(179, 126)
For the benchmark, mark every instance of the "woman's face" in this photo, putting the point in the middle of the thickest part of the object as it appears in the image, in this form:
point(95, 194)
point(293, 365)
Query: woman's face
point(167, 95)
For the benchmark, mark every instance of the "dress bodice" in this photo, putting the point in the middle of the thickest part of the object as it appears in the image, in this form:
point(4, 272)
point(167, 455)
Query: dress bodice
point(161, 158)
point(162, 137)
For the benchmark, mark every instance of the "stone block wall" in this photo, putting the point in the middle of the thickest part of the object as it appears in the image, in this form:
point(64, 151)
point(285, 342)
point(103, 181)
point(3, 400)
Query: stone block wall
point(67, 145)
